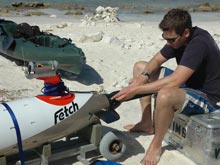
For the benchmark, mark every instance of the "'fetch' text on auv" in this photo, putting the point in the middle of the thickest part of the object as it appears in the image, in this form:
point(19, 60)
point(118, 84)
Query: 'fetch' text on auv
point(65, 112)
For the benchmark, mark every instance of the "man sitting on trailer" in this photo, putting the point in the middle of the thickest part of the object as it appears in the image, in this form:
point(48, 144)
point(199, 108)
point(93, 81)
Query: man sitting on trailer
point(198, 59)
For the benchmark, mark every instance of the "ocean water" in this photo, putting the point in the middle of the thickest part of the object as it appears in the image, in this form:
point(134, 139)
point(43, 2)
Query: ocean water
point(150, 4)
point(130, 10)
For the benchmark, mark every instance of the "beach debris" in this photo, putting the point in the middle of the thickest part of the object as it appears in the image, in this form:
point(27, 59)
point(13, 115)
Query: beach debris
point(95, 37)
point(36, 13)
point(101, 89)
point(77, 12)
point(4, 11)
point(206, 7)
point(139, 25)
point(112, 40)
point(203, 7)
point(126, 46)
point(53, 16)
point(114, 84)
point(141, 46)
point(28, 4)
point(121, 42)
point(123, 83)
point(106, 14)
point(87, 21)
point(62, 25)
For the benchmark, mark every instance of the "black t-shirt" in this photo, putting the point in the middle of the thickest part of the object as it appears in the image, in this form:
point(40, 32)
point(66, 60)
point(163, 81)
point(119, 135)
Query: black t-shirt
point(201, 54)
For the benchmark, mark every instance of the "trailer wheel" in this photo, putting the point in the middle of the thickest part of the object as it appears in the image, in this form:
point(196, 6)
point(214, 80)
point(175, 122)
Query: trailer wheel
point(112, 145)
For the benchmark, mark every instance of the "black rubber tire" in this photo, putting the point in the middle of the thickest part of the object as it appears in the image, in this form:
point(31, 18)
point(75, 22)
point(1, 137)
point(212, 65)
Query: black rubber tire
point(112, 145)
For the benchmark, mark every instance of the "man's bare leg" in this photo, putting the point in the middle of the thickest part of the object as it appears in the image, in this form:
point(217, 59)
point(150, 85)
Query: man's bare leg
point(146, 123)
point(168, 101)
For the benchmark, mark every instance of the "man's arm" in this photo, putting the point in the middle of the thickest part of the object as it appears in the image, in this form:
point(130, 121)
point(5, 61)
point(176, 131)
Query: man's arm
point(175, 80)
point(155, 63)
point(150, 67)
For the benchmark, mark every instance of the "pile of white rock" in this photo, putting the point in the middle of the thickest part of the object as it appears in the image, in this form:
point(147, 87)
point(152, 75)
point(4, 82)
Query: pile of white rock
point(107, 14)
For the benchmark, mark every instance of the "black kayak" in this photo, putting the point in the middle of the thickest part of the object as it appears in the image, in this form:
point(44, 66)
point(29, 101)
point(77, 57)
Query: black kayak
point(25, 43)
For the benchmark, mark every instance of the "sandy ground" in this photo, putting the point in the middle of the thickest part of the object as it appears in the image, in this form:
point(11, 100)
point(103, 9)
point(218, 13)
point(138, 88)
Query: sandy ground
point(108, 68)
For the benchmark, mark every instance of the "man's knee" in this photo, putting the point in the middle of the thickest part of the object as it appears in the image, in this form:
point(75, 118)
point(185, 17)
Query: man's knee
point(174, 97)
point(164, 94)
point(169, 95)
point(139, 67)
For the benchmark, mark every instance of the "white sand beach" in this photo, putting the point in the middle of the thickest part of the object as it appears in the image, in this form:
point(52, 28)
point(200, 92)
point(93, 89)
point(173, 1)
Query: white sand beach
point(110, 56)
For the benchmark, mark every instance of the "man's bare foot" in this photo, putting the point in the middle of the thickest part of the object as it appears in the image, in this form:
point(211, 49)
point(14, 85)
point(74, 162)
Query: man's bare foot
point(139, 127)
point(152, 156)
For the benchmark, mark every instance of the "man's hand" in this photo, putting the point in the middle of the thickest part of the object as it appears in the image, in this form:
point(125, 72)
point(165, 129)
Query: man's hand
point(126, 93)
point(139, 80)
point(130, 91)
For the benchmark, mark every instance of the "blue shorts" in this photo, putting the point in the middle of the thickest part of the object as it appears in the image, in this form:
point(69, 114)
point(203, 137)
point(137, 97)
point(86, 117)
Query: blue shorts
point(196, 101)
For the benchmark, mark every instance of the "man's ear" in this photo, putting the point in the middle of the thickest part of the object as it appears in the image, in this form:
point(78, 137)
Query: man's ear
point(186, 33)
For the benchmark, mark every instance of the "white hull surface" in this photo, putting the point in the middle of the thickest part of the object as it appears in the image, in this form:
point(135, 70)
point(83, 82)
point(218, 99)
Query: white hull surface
point(42, 119)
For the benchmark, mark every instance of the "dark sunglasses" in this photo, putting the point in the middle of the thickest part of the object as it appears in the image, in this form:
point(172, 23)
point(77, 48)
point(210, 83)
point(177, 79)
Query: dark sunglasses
point(170, 40)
